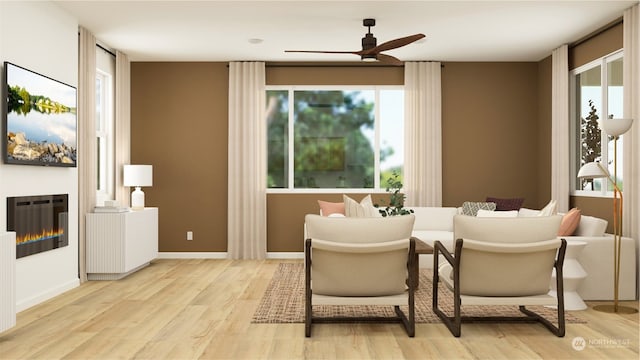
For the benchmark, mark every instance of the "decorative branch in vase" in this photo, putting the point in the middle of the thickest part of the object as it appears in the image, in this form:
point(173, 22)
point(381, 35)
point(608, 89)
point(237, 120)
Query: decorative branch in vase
point(396, 198)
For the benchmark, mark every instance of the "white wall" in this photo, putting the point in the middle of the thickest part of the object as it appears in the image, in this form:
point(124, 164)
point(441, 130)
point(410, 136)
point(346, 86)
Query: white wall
point(41, 37)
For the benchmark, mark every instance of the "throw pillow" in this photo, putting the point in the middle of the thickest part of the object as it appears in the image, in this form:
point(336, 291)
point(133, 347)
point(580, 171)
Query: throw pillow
point(471, 208)
point(550, 209)
point(569, 222)
point(364, 208)
point(328, 208)
point(502, 214)
point(506, 204)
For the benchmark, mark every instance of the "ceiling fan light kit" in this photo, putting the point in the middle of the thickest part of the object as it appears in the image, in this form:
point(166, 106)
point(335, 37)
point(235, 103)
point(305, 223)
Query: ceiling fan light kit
point(371, 51)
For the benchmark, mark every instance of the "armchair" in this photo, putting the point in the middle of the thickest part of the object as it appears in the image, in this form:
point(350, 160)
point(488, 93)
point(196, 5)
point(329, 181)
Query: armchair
point(360, 261)
point(502, 261)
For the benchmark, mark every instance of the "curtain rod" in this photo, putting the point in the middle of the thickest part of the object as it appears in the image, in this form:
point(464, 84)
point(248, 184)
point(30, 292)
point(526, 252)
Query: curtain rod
point(601, 30)
point(330, 65)
point(105, 49)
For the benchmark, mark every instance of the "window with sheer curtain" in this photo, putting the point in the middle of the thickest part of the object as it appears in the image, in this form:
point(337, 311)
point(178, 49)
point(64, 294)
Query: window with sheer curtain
point(105, 106)
point(597, 91)
point(334, 138)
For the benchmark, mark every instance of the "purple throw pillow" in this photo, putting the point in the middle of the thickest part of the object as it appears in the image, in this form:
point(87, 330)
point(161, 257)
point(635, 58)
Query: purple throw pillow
point(506, 204)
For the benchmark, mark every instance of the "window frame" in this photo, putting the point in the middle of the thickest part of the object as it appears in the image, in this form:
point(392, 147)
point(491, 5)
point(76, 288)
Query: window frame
point(105, 138)
point(603, 61)
point(376, 189)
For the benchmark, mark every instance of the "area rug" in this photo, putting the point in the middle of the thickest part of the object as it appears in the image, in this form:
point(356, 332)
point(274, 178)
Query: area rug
point(283, 302)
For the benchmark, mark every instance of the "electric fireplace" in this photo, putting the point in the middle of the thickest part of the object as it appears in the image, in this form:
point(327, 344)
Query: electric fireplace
point(40, 222)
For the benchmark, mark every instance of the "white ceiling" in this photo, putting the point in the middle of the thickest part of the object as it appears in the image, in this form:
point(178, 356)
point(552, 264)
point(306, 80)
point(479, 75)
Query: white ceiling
point(150, 30)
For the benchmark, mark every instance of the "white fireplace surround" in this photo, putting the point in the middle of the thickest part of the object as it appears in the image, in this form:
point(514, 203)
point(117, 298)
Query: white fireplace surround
point(7, 280)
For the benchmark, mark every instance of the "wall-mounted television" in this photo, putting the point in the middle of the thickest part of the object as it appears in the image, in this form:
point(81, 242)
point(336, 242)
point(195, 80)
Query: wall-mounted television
point(40, 119)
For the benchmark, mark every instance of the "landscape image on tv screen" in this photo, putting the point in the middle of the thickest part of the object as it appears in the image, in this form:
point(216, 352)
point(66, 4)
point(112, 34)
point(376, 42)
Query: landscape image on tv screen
point(40, 121)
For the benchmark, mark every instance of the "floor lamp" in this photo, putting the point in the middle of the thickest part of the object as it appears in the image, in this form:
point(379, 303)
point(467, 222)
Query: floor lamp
point(594, 170)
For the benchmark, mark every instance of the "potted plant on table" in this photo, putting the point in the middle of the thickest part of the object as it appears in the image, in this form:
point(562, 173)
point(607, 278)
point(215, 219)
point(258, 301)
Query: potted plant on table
point(396, 198)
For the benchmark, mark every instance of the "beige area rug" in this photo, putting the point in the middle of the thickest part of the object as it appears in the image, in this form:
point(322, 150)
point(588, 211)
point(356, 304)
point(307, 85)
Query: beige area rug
point(283, 302)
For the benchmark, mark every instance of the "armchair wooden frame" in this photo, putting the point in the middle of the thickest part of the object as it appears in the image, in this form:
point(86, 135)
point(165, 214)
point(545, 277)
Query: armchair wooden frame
point(454, 322)
point(408, 320)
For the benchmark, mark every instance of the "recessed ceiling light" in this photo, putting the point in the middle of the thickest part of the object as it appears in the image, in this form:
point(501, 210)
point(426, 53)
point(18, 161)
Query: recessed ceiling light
point(255, 41)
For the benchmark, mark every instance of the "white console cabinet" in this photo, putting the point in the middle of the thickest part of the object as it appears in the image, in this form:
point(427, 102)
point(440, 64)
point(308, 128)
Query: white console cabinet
point(120, 243)
point(7, 280)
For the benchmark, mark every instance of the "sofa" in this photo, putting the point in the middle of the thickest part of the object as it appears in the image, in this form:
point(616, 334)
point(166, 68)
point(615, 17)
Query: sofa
point(436, 223)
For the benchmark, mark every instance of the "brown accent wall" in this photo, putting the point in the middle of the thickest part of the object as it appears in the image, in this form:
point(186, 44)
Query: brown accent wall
point(336, 74)
point(490, 132)
point(179, 125)
point(492, 140)
point(592, 49)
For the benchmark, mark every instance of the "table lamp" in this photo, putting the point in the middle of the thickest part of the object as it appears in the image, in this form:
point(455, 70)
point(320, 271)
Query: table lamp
point(138, 176)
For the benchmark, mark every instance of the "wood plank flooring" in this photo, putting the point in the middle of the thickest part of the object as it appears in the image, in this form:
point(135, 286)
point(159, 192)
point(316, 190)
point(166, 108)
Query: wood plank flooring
point(202, 309)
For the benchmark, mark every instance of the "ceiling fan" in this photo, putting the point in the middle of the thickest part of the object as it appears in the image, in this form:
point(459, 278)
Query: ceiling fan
point(370, 50)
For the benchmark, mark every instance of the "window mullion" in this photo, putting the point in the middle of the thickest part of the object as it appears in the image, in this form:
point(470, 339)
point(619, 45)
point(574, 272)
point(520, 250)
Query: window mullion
point(376, 132)
point(290, 142)
point(604, 138)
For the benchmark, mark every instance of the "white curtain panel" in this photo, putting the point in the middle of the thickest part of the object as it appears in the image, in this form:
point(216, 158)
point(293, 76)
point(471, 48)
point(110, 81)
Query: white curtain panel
point(560, 168)
point(247, 197)
point(423, 134)
point(87, 152)
point(631, 140)
point(122, 125)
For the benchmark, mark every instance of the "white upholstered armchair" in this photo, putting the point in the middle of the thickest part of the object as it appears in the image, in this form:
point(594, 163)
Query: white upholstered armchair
point(360, 261)
point(502, 261)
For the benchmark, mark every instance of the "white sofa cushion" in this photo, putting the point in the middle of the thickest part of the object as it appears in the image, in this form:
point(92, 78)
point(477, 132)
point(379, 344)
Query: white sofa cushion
point(591, 226)
point(429, 236)
point(434, 218)
point(524, 212)
point(488, 213)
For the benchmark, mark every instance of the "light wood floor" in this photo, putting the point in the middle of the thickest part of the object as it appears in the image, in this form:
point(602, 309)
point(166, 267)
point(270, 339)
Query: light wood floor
point(202, 309)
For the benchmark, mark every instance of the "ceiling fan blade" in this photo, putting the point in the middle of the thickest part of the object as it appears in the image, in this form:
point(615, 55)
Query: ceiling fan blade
point(388, 59)
point(394, 44)
point(323, 52)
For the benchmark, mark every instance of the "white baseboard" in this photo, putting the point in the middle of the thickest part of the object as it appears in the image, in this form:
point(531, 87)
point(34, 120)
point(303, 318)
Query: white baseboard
point(46, 295)
point(285, 255)
point(192, 255)
point(223, 255)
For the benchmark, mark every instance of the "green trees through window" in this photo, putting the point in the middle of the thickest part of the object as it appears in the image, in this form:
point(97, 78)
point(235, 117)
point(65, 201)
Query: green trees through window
point(598, 93)
point(333, 138)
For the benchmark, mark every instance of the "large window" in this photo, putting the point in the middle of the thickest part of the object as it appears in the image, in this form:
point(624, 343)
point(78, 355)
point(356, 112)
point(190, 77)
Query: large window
point(598, 92)
point(334, 138)
point(105, 70)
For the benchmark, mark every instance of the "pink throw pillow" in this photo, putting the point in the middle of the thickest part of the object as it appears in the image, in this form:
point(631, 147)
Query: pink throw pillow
point(569, 222)
point(328, 208)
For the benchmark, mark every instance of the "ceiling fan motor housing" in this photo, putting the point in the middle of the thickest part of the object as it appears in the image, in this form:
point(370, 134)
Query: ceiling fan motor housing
point(369, 41)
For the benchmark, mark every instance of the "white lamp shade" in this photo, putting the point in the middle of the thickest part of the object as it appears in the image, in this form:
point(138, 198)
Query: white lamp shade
point(592, 170)
point(138, 175)
point(616, 127)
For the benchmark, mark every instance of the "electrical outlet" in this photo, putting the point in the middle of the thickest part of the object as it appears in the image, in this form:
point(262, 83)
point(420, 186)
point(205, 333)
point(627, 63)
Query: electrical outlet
point(189, 235)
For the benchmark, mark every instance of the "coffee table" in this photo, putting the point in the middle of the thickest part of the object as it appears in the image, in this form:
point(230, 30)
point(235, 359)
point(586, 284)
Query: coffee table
point(421, 248)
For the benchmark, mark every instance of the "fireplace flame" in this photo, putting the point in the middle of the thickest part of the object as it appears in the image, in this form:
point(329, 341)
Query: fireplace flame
point(43, 235)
